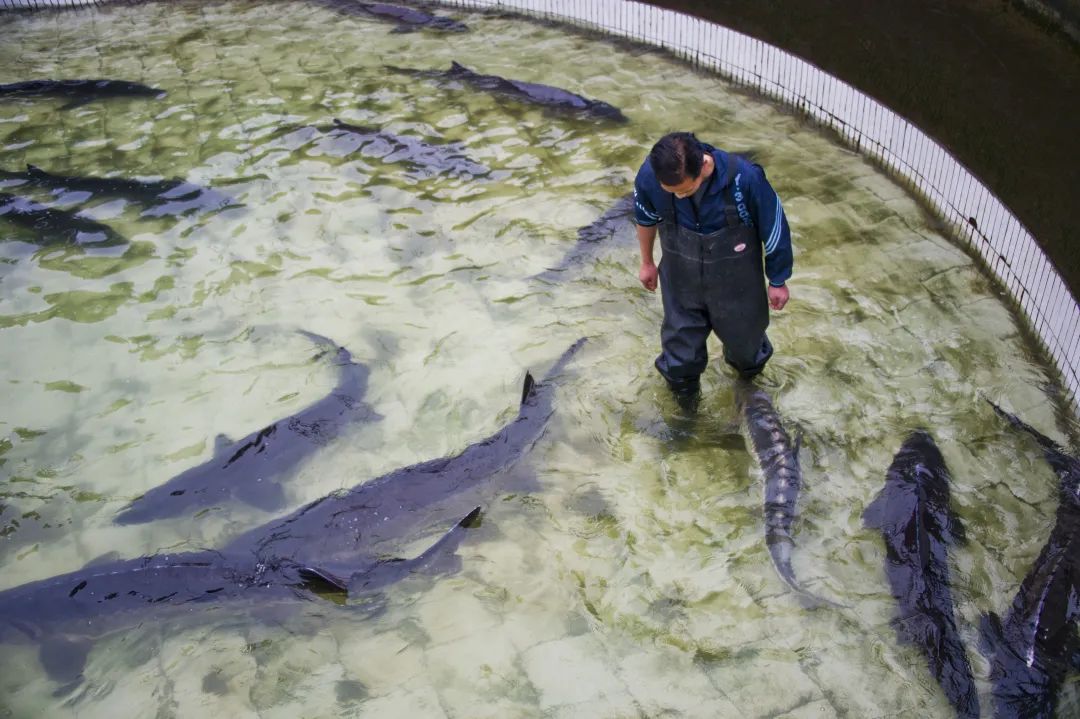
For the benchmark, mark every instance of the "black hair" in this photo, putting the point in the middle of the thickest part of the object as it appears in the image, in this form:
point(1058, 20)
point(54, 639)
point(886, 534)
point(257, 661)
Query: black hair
point(678, 156)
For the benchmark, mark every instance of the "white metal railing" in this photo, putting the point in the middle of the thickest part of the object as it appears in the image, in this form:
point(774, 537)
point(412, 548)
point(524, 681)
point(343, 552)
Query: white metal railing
point(44, 4)
point(973, 213)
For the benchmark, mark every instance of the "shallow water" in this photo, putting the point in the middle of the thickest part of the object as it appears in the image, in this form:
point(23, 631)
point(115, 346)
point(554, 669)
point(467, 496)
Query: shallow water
point(634, 580)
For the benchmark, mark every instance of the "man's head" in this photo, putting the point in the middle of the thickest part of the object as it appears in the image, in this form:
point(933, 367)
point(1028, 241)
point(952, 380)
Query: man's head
point(680, 163)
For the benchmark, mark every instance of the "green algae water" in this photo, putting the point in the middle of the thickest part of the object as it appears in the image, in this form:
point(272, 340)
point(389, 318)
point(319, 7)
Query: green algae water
point(633, 580)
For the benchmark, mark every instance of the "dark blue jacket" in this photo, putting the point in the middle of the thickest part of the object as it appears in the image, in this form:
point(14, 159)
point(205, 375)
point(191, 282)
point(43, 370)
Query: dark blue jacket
point(758, 204)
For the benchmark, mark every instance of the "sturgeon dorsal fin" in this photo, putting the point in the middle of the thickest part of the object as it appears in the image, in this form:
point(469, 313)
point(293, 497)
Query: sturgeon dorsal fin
point(222, 444)
point(471, 520)
point(527, 388)
point(456, 66)
point(267, 495)
point(64, 659)
point(319, 580)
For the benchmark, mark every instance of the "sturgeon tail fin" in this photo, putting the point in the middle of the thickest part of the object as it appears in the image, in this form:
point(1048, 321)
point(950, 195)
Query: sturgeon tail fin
point(565, 358)
point(343, 355)
point(780, 551)
point(1045, 442)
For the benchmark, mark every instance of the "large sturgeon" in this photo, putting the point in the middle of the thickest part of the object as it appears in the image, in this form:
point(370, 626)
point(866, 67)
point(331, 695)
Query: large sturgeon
point(1036, 645)
point(362, 521)
point(425, 158)
point(251, 469)
point(79, 92)
point(915, 518)
point(405, 19)
point(160, 197)
point(65, 615)
point(553, 98)
point(348, 541)
point(53, 226)
point(779, 462)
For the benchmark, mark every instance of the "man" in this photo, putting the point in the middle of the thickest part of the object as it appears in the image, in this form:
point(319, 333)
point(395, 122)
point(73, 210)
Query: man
point(717, 216)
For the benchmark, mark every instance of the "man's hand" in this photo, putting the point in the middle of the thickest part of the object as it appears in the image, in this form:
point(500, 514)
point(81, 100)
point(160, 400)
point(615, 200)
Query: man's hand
point(647, 274)
point(778, 297)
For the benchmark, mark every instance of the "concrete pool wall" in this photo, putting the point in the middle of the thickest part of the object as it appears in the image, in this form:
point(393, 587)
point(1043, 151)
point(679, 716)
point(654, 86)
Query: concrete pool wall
point(972, 214)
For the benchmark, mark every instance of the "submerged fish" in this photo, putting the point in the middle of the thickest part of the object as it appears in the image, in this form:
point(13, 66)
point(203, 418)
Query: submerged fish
point(360, 522)
point(346, 542)
point(592, 236)
point(252, 469)
point(80, 91)
point(407, 19)
point(915, 518)
point(66, 614)
point(1033, 649)
point(779, 462)
point(425, 158)
point(531, 92)
point(54, 226)
point(161, 197)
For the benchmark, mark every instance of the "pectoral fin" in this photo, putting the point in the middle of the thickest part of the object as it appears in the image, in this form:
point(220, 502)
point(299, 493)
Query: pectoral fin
point(956, 533)
point(266, 494)
point(64, 659)
point(990, 634)
point(873, 515)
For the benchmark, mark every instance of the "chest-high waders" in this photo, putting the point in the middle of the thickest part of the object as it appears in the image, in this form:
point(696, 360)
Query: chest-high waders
point(712, 282)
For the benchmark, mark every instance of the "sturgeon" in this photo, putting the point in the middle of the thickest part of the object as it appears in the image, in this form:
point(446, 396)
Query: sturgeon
point(252, 469)
point(79, 92)
point(779, 462)
point(917, 523)
point(65, 615)
point(1034, 648)
point(160, 197)
point(406, 19)
point(364, 520)
point(553, 98)
point(53, 226)
point(426, 158)
point(345, 542)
